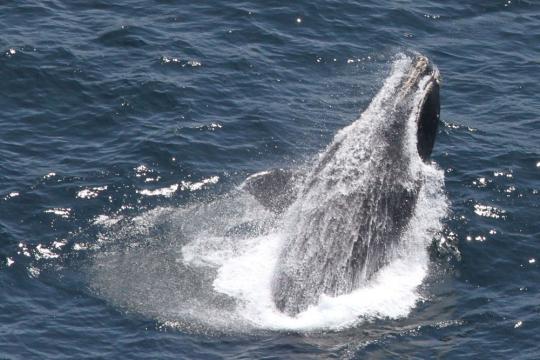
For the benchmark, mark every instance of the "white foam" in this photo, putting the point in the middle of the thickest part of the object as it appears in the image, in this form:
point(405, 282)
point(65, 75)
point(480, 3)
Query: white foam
point(193, 186)
point(392, 293)
point(183, 186)
point(44, 253)
point(165, 191)
point(488, 211)
point(12, 195)
point(62, 212)
point(231, 246)
point(91, 193)
point(9, 262)
point(33, 271)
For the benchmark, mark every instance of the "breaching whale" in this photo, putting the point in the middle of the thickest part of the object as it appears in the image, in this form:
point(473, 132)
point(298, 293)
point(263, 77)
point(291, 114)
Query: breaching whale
point(343, 217)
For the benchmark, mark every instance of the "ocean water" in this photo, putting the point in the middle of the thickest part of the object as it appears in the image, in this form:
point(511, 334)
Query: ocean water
point(126, 128)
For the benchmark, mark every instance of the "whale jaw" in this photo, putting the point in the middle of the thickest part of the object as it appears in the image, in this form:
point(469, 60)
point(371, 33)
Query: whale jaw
point(429, 115)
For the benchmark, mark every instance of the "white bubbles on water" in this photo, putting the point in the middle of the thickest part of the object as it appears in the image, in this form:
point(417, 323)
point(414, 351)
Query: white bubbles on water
point(210, 265)
point(91, 193)
point(61, 212)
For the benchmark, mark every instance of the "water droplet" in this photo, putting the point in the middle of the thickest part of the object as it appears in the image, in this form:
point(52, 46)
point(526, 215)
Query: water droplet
point(9, 262)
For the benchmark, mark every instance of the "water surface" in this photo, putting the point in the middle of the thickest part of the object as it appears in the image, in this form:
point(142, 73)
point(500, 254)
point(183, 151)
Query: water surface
point(136, 111)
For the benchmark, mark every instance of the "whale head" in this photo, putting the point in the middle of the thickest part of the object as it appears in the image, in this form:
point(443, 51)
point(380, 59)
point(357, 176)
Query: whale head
point(423, 77)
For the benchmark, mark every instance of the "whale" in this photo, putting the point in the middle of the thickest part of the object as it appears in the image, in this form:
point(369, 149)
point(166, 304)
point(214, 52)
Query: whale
point(343, 216)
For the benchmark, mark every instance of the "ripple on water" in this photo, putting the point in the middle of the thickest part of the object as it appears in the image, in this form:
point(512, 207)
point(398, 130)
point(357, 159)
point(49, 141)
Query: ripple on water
point(125, 36)
point(90, 90)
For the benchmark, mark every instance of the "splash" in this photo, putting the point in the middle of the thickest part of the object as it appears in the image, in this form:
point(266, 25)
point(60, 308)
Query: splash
point(213, 265)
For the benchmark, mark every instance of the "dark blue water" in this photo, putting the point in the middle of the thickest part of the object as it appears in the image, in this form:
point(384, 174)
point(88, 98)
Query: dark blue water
point(108, 111)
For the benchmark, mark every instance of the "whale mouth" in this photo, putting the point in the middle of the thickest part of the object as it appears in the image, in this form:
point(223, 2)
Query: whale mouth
point(429, 113)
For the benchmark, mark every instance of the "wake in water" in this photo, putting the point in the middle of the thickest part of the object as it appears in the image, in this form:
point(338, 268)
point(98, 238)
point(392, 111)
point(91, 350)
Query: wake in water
point(344, 241)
